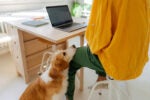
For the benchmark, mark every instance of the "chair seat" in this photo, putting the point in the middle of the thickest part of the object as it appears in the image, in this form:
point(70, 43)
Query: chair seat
point(114, 90)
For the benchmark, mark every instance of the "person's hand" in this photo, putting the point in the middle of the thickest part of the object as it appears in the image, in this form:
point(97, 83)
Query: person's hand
point(101, 78)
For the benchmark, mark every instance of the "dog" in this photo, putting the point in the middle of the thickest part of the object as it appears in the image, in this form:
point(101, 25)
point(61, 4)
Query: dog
point(53, 83)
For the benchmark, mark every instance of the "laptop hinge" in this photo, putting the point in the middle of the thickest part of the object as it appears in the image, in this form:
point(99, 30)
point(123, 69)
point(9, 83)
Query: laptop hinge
point(66, 24)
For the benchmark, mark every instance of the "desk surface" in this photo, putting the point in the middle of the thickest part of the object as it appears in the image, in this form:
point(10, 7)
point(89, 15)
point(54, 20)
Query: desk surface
point(47, 31)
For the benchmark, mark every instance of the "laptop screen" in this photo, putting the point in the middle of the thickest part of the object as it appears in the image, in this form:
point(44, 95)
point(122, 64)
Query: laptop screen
point(59, 15)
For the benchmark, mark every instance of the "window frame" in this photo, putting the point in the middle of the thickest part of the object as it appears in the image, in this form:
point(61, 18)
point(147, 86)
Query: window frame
point(6, 2)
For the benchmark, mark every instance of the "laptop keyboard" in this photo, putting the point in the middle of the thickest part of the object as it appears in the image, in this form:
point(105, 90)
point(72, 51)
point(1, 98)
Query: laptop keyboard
point(73, 27)
point(68, 25)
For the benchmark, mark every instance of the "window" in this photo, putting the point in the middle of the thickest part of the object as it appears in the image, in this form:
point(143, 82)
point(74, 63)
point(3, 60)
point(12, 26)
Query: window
point(26, 1)
point(88, 1)
point(6, 0)
point(81, 8)
point(87, 7)
point(18, 5)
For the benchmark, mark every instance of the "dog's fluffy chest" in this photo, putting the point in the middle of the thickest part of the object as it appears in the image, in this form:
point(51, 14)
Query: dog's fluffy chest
point(63, 90)
point(59, 95)
point(45, 76)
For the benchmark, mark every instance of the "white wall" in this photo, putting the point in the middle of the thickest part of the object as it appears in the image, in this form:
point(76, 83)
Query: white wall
point(29, 4)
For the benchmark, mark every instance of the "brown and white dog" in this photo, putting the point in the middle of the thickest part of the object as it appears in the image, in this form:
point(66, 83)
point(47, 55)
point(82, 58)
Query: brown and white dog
point(53, 83)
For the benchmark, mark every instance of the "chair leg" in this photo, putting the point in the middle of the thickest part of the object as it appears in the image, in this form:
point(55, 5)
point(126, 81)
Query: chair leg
point(110, 91)
point(113, 89)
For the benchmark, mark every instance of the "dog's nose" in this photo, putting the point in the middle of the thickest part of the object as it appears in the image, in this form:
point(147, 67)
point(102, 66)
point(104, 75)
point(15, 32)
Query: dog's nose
point(73, 46)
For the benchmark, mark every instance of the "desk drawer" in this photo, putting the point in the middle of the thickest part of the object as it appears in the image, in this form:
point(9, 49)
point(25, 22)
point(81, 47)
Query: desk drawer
point(35, 59)
point(61, 46)
point(27, 37)
point(34, 46)
point(33, 73)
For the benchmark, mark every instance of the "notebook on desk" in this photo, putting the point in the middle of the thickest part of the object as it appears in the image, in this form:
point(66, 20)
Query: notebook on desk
point(60, 18)
point(35, 23)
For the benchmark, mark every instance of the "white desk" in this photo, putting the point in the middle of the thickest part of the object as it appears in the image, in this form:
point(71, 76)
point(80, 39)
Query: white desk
point(29, 43)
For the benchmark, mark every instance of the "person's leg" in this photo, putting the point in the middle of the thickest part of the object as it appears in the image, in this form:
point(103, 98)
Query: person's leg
point(71, 80)
point(82, 58)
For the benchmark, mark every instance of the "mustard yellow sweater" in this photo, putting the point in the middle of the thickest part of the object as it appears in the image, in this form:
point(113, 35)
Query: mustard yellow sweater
point(118, 34)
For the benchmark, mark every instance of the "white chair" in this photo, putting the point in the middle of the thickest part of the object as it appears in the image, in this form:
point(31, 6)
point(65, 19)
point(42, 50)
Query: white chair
point(117, 90)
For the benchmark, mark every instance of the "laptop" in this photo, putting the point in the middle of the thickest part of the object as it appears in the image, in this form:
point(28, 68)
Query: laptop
point(60, 18)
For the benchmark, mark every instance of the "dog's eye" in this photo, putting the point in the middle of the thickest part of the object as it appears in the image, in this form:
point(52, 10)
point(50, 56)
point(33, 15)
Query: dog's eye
point(64, 53)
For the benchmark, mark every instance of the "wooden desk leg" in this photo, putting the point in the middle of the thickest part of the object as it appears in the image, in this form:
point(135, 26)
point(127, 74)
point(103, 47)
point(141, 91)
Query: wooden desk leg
point(81, 70)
